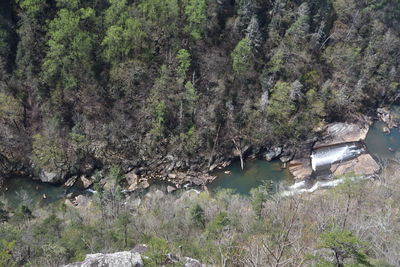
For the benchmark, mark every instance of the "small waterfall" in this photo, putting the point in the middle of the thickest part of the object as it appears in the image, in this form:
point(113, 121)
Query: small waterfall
point(323, 158)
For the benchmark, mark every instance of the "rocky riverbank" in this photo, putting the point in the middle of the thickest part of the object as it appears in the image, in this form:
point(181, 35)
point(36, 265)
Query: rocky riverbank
point(176, 173)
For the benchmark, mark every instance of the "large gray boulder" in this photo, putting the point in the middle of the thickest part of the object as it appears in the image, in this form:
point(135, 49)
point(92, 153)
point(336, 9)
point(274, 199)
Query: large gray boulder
point(273, 153)
point(338, 133)
point(50, 177)
point(117, 259)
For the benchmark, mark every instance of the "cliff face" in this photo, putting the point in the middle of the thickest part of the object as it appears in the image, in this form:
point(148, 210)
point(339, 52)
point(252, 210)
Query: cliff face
point(159, 86)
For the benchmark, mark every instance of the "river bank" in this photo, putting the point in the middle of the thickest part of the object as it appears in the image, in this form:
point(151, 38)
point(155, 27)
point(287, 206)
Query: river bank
point(269, 167)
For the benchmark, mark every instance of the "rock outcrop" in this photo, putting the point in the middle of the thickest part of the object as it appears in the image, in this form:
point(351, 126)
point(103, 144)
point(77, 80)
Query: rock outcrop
point(362, 165)
point(386, 116)
point(50, 177)
point(117, 259)
point(338, 133)
point(300, 168)
point(340, 151)
point(131, 258)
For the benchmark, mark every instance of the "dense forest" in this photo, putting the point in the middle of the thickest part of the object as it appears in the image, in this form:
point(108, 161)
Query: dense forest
point(160, 85)
point(114, 90)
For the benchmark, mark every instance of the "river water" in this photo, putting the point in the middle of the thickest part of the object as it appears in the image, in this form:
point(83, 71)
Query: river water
point(382, 146)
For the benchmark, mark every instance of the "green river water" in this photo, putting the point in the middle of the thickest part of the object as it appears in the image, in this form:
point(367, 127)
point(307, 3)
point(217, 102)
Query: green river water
point(257, 172)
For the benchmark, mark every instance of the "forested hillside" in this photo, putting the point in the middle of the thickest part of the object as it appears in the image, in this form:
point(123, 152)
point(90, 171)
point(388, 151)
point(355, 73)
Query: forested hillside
point(94, 83)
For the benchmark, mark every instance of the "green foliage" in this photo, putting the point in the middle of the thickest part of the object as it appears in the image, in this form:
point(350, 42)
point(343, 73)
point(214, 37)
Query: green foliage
point(6, 256)
point(32, 7)
point(161, 16)
point(189, 142)
point(70, 48)
point(345, 245)
point(48, 154)
point(22, 214)
point(116, 173)
point(242, 57)
point(50, 229)
point(158, 122)
point(276, 63)
point(124, 34)
point(195, 11)
point(11, 109)
point(158, 249)
point(281, 107)
point(191, 97)
point(183, 59)
point(197, 215)
point(217, 225)
point(258, 197)
point(298, 31)
point(70, 4)
point(117, 12)
point(120, 41)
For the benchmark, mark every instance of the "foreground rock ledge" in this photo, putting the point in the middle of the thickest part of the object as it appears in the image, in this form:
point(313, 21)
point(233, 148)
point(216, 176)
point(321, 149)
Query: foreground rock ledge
point(117, 259)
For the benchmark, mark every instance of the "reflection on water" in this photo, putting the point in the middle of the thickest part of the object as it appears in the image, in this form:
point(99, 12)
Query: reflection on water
point(255, 173)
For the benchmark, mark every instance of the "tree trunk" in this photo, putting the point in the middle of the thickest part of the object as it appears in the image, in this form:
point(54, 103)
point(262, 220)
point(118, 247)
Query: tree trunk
point(239, 150)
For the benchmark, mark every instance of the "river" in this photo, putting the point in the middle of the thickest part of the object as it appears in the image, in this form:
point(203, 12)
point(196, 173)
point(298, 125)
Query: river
point(382, 146)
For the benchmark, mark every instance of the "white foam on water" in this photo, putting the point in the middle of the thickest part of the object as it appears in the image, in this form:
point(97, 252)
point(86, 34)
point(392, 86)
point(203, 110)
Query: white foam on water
point(91, 191)
point(327, 156)
point(299, 187)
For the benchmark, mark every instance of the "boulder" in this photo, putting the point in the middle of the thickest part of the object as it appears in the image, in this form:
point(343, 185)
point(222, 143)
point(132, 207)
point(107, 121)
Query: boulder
point(273, 153)
point(82, 200)
point(84, 182)
point(213, 167)
point(118, 259)
point(362, 165)
point(264, 100)
point(386, 129)
point(171, 189)
point(300, 168)
point(50, 177)
point(172, 175)
point(286, 158)
point(71, 181)
point(384, 115)
point(145, 184)
point(337, 133)
point(131, 178)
